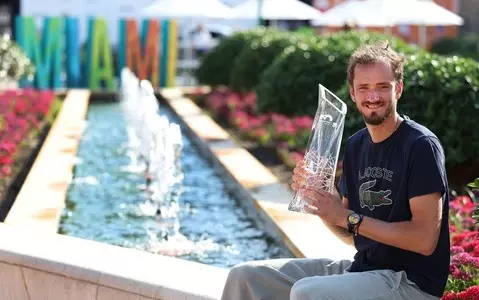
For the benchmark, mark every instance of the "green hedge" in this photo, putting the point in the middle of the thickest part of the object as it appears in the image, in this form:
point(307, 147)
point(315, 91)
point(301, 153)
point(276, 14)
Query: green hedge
point(257, 56)
point(215, 67)
point(441, 93)
point(290, 84)
point(466, 45)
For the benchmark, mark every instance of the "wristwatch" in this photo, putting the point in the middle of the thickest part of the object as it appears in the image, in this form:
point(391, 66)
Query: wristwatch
point(354, 220)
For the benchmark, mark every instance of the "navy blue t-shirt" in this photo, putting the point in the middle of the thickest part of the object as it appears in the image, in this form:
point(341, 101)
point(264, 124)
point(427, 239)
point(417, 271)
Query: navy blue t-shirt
point(379, 179)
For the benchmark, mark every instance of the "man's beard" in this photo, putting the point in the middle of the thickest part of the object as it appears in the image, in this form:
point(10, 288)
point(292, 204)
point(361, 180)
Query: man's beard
point(377, 119)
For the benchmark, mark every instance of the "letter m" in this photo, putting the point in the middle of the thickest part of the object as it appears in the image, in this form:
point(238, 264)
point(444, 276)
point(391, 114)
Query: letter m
point(143, 56)
point(47, 55)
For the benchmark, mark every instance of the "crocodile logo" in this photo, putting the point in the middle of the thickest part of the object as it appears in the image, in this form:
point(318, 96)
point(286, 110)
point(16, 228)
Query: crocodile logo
point(372, 199)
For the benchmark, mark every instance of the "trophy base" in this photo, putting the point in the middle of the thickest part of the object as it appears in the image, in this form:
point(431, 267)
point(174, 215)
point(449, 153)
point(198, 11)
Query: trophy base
point(297, 205)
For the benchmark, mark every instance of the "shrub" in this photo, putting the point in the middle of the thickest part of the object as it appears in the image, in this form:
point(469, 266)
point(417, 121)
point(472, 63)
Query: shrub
point(441, 93)
point(475, 186)
point(286, 86)
point(290, 84)
point(466, 45)
point(257, 56)
point(215, 67)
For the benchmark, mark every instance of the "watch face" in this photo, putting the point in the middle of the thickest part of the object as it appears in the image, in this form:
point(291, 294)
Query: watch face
point(353, 219)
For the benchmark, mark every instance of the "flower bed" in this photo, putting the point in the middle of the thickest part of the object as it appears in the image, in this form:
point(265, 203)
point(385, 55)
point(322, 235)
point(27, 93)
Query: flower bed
point(23, 116)
point(289, 137)
point(463, 282)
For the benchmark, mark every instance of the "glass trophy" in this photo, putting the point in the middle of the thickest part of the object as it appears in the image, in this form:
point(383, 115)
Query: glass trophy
point(323, 146)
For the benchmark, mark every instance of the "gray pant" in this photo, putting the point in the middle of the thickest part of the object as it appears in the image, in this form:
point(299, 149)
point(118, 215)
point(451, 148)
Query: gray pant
point(316, 279)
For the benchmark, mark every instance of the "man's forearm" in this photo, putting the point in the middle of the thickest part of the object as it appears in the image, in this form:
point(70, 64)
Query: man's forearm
point(406, 235)
point(340, 232)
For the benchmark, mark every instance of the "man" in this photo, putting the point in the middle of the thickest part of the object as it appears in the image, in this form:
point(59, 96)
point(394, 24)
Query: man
point(394, 206)
point(202, 40)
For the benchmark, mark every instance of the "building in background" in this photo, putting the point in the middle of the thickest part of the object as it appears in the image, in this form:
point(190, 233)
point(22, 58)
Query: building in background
point(469, 10)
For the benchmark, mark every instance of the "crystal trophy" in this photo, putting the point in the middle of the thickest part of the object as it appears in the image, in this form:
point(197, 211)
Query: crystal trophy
point(323, 146)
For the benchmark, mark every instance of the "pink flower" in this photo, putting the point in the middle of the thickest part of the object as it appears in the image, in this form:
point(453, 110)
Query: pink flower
point(456, 249)
point(466, 259)
point(256, 122)
point(304, 122)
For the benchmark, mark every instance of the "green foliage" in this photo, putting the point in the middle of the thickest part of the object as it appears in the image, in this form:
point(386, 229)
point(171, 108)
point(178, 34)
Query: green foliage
point(14, 62)
point(215, 67)
point(442, 93)
point(466, 45)
point(475, 185)
point(306, 30)
point(257, 56)
point(290, 84)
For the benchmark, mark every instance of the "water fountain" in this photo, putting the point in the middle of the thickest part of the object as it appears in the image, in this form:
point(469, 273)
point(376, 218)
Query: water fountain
point(146, 176)
point(157, 145)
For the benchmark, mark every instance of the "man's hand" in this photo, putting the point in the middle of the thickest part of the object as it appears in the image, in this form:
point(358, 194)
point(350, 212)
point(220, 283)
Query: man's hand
point(300, 176)
point(325, 205)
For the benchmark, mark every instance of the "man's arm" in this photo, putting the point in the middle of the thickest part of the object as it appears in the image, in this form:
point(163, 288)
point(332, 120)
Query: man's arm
point(340, 232)
point(420, 234)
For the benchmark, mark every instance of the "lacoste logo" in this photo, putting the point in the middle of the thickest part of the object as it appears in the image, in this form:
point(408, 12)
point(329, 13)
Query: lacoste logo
point(372, 199)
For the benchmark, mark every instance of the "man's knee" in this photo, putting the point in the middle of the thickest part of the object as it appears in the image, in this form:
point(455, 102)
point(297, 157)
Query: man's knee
point(300, 290)
point(242, 272)
point(310, 288)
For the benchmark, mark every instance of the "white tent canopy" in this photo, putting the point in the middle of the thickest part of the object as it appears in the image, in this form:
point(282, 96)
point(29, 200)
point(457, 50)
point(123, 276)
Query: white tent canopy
point(388, 13)
point(276, 10)
point(177, 9)
point(424, 12)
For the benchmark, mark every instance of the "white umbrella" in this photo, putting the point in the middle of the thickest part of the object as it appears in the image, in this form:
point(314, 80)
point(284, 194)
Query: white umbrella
point(177, 9)
point(276, 10)
point(388, 13)
point(423, 12)
point(360, 13)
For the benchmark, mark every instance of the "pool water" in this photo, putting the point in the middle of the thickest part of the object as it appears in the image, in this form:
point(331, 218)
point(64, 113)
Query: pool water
point(105, 202)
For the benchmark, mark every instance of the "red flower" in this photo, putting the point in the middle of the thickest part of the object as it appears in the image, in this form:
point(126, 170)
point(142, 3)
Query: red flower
point(472, 293)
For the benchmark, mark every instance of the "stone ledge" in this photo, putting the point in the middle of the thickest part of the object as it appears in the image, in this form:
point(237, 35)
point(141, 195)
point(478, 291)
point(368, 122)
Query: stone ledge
point(304, 235)
point(51, 264)
point(40, 202)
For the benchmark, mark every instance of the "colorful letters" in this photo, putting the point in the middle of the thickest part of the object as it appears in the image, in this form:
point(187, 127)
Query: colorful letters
point(151, 53)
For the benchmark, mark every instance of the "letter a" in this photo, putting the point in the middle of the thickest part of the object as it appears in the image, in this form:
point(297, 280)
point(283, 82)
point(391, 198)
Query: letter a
point(99, 51)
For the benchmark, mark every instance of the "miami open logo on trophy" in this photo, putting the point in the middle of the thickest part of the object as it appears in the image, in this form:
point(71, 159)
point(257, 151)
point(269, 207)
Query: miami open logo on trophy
point(323, 147)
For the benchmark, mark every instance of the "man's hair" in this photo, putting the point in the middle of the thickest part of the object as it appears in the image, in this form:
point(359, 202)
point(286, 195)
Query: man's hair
point(371, 53)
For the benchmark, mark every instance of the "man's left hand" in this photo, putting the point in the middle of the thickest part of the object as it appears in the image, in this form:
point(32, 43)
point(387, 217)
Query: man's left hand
point(327, 206)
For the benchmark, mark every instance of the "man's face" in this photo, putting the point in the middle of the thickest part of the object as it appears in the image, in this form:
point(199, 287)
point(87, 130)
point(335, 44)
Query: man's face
point(375, 91)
